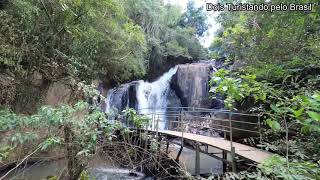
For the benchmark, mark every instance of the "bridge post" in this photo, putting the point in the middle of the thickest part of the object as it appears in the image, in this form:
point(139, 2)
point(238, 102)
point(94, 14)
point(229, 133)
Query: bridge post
point(224, 164)
point(182, 128)
point(260, 134)
point(158, 126)
point(197, 162)
point(232, 148)
point(159, 150)
point(233, 160)
point(230, 127)
point(146, 131)
point(152, 120)
point(179, 153)
point(167, 148)
point(180, 121)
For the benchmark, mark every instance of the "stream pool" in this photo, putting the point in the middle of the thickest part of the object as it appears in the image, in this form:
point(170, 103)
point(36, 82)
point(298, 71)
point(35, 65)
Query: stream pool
point(101, 169)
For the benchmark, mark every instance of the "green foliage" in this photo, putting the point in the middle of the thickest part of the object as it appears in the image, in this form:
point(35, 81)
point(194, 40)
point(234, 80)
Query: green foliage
point(279, 57)
point(277, 167)
point(50, 142)
point(26, 128)
point(237, 89)
point(90, 39)
point(274, 125)
point(138, 120)
point(165, 34)
point(195, 18)
point(302, 109)
point(306, 110)
point(85, 175)
point(263, 37)
point(5, 152)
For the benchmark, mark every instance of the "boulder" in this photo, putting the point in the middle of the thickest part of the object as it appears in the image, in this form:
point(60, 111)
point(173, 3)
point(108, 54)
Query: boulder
point(190, 83)
point(121, 97)
point(158, 68)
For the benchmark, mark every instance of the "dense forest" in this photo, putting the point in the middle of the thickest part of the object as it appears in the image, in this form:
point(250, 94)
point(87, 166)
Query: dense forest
point(271, 66)
point(277, 61)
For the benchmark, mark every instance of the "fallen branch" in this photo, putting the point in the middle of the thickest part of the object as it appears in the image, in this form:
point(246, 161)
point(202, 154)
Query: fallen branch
point(25, 158)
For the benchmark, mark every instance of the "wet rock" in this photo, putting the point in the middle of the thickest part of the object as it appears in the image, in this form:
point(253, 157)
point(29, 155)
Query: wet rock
point(172, 99)
point(122, 97)
point(132, 95)
point(157, 68)
point(190, 83)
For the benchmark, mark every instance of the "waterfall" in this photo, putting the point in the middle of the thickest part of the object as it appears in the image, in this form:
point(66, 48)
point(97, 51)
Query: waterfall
point(108, 100)
point(152, 97)
point(144, 96)
point(117, 99)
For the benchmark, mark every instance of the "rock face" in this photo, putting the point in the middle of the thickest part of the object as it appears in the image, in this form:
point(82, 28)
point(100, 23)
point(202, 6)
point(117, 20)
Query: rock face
point(189, 87)
point(158, 68)
point(58, 93)
point(7, 89)
point(191, 84)
point(172, 99)
point(122, 97)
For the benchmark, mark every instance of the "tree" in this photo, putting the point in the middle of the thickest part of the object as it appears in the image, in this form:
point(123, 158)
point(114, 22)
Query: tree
point(195, 18)
point(82, 39)
point(280, 73)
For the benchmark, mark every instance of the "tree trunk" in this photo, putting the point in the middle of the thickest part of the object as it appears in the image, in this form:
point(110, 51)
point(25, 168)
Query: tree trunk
point(75, 166)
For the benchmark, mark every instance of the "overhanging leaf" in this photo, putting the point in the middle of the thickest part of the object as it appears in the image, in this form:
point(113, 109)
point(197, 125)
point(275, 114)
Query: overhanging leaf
point(315, 116)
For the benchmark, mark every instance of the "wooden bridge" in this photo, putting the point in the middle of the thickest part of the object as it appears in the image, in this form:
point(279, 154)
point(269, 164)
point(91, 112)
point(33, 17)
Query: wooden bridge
point(185, 124)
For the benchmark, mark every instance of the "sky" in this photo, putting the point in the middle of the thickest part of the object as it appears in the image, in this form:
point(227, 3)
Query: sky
point(213, 25)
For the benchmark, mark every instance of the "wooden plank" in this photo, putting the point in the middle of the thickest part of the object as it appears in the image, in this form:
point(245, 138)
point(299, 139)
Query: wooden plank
point(245, 151)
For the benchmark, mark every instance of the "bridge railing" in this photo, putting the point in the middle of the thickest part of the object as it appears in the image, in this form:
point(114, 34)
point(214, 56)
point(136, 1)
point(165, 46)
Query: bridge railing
point(209, 122)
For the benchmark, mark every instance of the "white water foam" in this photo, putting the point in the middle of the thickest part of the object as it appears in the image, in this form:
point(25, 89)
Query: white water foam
point(152, 97)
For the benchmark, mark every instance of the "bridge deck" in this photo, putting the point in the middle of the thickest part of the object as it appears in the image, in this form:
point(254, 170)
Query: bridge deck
point(245, 151)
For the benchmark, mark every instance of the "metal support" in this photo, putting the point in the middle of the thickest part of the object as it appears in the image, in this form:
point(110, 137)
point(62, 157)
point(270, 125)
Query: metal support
point(152, 120)
point(159, 151)
point(167, 148)
point(224, 157)
point(260, 134)
point(179, 153)
point(206, 148)
point(182, 129)
point(158, 126)
point(233, 150)
point(224, 153)
point(197, 162)
point(233, 160)
point(230, 127)
point(159, 143)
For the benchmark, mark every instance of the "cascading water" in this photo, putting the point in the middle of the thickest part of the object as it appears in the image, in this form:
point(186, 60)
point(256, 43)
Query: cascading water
point(108, 100)
point(189, 87)
point(152, 97)
point(144, 96)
